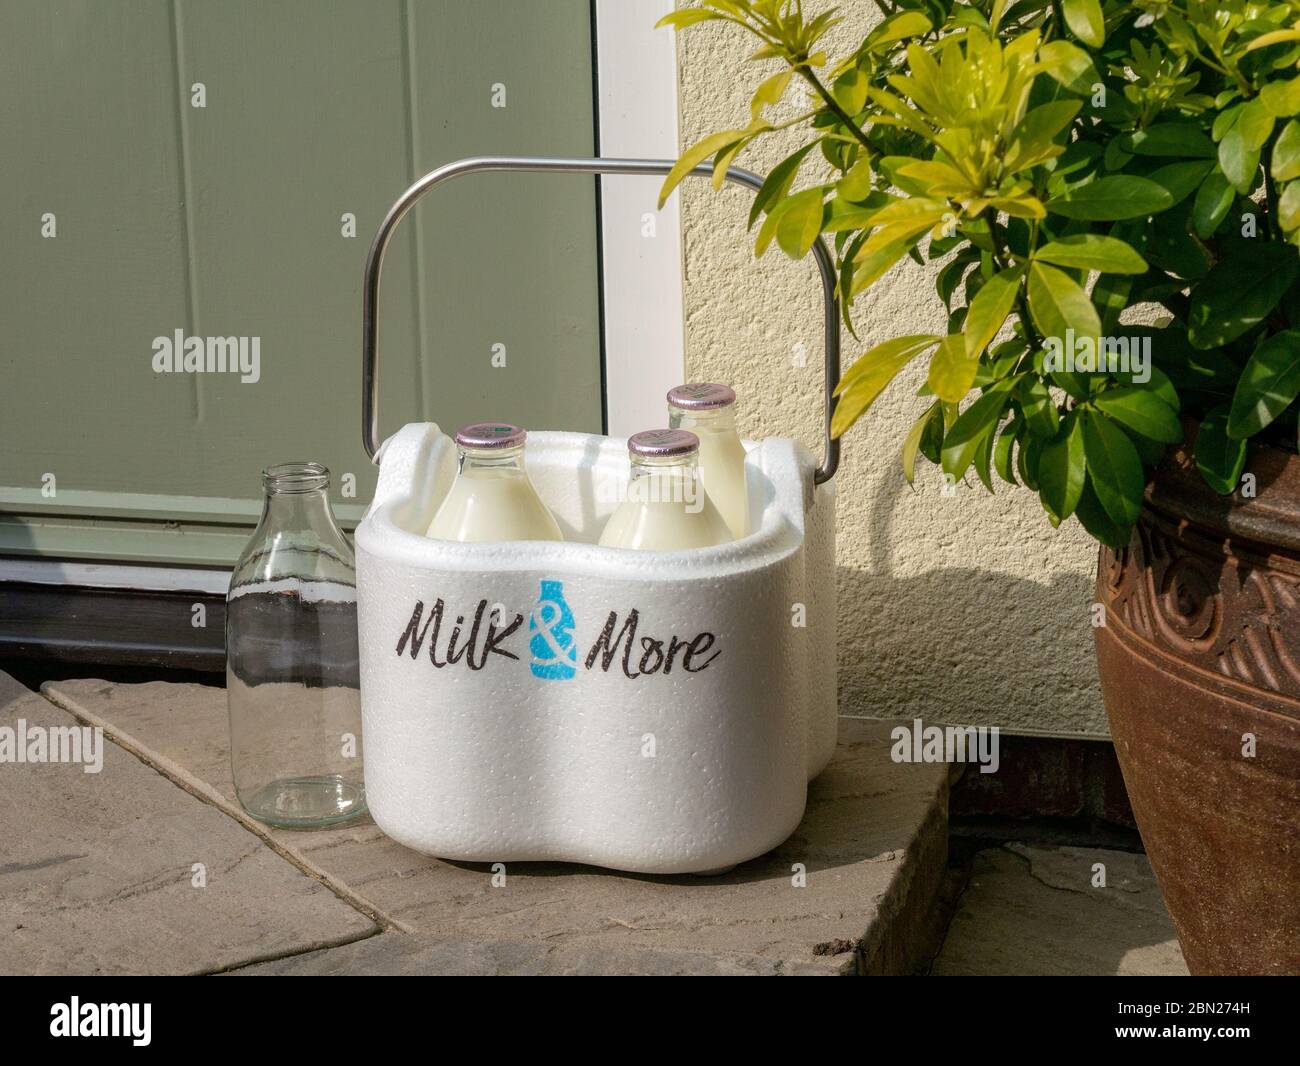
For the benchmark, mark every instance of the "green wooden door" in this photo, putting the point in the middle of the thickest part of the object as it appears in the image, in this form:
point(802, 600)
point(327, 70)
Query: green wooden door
point(195, 166)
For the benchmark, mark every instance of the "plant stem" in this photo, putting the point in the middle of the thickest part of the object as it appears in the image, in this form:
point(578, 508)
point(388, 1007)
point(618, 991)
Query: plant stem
point(805, 72)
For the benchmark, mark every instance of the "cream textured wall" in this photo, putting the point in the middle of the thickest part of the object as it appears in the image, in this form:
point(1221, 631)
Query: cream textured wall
point(968, 609)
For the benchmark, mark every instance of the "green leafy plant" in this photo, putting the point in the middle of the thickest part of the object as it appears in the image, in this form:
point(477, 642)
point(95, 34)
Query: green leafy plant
point(1064, 161)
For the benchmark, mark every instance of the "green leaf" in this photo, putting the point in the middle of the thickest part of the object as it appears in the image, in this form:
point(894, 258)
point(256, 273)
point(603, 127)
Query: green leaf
point(777, 184)
point(1239, 292)
point(1286, 153)
point(1114, 468)
point(1142, 411)
point(1085, 20)
point(1058, 304)
point(1034, 140)
point(1061, 469)
point(1002, 456)
point(1182, 140)
point(1219, 457)
point(1256, 124)
point(1093, 517)
point(1027, 461)
point(1181, 179)
point(686, 17)
point(850, 90)
point(1090, 251)
point(1116, 197)
point(983, 461)
point(1038, 407)
point(870, 267)
point(801, 223)
point(1239, 163)
point(856, 185)
point(1069, 65)
point(1288, 207)
point(904, 219)
point(1111, 297)
point(989, 310)
point(867, 378)
point(952, 371)
point(694, 156)
point(912, 444)
point(770, 91)
point(1269, 383)
point(897, 28)
point(979, 421)
point(1282, 98)
point(1213, 202)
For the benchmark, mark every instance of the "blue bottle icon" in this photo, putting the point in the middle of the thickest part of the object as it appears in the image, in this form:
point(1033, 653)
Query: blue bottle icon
point(555, 653)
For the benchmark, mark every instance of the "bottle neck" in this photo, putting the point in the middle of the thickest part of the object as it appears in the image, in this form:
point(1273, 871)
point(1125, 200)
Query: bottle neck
point(674, 479)
point(709, 420)
point(493, 462)
point(297, 501)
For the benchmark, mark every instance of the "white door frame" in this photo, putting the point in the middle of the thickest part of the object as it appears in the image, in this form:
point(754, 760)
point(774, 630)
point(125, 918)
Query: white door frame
point(641, 247)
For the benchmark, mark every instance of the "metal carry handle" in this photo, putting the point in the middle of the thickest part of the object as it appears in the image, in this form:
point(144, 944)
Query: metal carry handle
point(535, 164)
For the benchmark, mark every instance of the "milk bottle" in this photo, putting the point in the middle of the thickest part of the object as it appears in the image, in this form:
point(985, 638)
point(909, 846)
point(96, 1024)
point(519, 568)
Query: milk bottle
point(666, 508)
point(709, 411)
point(492, 497)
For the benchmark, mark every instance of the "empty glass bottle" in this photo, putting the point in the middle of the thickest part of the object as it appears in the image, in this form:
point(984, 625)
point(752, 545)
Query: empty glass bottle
point(292, 678)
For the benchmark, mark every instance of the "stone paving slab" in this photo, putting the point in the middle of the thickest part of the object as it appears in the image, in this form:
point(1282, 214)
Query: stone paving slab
point(873, 845)
point(419, 954)
point(97, 869)
point(1035, 911)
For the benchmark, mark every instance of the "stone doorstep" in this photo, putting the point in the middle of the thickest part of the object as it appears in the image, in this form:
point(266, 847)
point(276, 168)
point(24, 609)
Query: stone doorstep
point(424, 955)
point(1042, 911)
point(97, 874)
point(873, 841)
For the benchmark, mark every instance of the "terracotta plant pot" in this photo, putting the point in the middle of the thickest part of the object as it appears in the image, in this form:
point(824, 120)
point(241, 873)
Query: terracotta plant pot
point(1200, 668)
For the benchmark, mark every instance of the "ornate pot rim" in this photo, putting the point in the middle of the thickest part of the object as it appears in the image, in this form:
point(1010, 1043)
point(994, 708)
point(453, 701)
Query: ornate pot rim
point(1271, 517)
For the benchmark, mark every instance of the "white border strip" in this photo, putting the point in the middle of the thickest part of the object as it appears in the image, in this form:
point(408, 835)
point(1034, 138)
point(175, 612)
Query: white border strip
point(641, 246)
point(115, 576)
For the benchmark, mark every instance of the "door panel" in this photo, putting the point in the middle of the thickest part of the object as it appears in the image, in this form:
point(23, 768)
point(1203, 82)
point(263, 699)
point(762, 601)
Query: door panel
point(226, 220)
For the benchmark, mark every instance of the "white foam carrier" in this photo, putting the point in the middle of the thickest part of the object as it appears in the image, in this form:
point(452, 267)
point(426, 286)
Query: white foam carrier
point(688, 766)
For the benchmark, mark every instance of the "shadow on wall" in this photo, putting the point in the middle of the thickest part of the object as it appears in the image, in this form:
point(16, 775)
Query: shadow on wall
point(964, 645)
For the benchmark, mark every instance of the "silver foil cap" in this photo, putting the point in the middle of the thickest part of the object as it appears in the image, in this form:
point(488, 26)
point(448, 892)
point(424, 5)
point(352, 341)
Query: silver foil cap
point(701, 396)
point(663, 443)
point(489, 435)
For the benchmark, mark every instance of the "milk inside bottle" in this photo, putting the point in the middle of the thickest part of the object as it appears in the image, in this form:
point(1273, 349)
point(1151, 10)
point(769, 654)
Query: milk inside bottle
point(492, 497)
point(709, 411)
point(666, 508)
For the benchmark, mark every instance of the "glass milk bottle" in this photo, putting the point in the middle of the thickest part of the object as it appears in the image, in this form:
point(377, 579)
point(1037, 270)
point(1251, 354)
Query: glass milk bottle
point(709, 411)
point(492, 497)
point(666, 508)
point(292, 681)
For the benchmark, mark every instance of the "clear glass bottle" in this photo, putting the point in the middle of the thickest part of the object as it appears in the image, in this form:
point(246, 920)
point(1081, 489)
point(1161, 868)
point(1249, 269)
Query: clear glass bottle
point(492, 498)
point(666, 508)
point(709, 411)
point(292, 677)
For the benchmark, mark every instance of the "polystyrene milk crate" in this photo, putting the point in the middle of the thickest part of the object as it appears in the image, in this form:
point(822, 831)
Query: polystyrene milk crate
point(657, 712)
point(676, 727)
